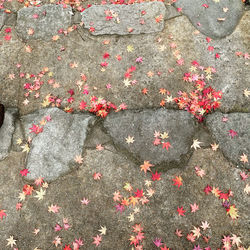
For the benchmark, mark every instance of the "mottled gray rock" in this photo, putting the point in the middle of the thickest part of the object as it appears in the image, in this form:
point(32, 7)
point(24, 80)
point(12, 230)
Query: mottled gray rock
point(234, 147)
point(217, 20)
point(126, 19)
point(171, 12)
point(158, 217)
point(49, 19)
point(6, 132)
point(53, 150)
point(141, 125)
point(2, 18)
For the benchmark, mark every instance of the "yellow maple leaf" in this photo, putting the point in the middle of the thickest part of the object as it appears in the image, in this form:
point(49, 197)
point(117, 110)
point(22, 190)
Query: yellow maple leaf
point(233, 212)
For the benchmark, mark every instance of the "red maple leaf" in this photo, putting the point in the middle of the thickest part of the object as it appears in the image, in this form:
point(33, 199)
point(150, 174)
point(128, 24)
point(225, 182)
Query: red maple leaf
point(139, 193)
point(27, 189)
point(156, 176)
point(2, 214)
point(24, 172)
point(232, 133)
point(208, 189)
point(177, 181)
point(181, 211)
point(166, 145)
point(67, 247)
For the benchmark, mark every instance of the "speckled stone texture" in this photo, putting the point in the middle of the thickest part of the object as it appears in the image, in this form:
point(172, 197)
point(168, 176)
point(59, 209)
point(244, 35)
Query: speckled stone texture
point(215, 19)
point(54, 149)
point(45, 21)
point(125, 19)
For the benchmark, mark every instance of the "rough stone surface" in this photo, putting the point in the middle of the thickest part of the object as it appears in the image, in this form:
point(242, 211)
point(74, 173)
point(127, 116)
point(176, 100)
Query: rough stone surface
point(232, 72)
point(141, 125)
point(51, 18)
point(2, 18)
point(206, 20)
point(53, 151)
point(85, 220)
point(171, 12)
point(6, 132)
point(126, 18)
point(9, 73)
point(234, 147)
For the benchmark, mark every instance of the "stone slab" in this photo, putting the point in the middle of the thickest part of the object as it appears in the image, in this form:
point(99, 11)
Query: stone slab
point(142, 125)
point(2, 18)
point(125, 19)
point(234, 147)
point(53, 150)
point(6, 132)
point(215, 19)
point(48, 21)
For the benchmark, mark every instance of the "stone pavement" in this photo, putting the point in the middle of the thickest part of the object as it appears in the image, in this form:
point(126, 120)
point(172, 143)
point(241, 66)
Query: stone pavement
point(109, 139)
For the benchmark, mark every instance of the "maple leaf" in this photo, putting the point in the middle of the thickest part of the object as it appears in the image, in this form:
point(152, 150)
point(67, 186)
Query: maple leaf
point(130, 48)
point(150, 192)
point(157, 242)
point(235, 240)
point(214, 146)
point(82, 105)
point(157, 141)
point(138, 193)
point(146, 166)
point(39, 181)
point(67, 247)
point(232, 211)
point(144, 91)
point(128, 187)
point(137, 228)
point(19, 206)
point(117, 196)
point(40, 194)
point(243, 158)
point(97, 176)
point(97, 240)
point(194, 207)
point(204, 225)
point(246, 92)
point(177, 181)
point(57, 241)
point(24, 172)
point(181, 211)
point(156, 176)
point(11, 241)
point(78, 159)
point(196, 232)
point(196, 144)
point(27, 189)
point(130, 139)
point(190, 237)
point(178, 233)
point(2, 214)
point(103, 230)
point(216, 191)
point(232, 133)
point(208, 189)
point(57, 228)
point(133, 200)
point(166, 145)
point(247, 189)
point(53, 208)
point(199, 172)
point(85, 201)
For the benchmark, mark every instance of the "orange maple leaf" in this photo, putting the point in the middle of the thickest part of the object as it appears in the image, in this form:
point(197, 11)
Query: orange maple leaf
point(177, 181)
point(146, 166)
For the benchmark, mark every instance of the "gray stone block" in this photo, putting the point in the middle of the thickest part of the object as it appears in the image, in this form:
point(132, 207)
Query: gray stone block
point(53, 150)
point(216, 19)
point(234, 147)
point(142, 125)
point(47, 21)
point(2, 18)
point(126, 19)
point(6, 132)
